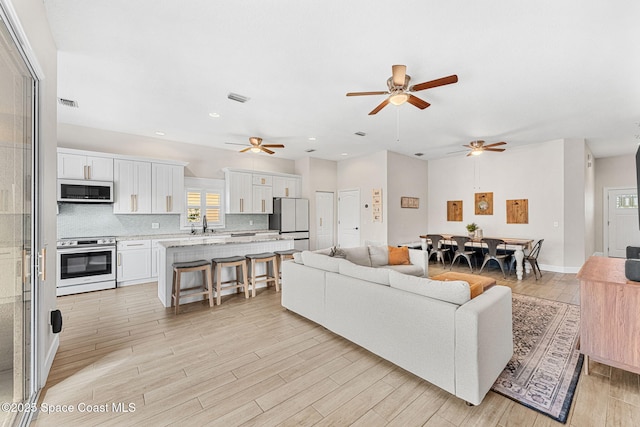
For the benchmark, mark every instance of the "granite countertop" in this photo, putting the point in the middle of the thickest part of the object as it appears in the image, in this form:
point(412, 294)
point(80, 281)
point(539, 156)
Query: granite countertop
point(221, 240)
point(186, 235)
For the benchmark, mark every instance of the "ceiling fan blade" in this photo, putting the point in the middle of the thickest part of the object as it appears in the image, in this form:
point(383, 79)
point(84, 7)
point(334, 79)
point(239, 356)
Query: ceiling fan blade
point(235, 143)
point(434, 83)
point(244, 150)
point(417, 102)
point(273, 145)
point(367, 93)
point(470, 153)
point(468, 146)
point(254, 140)
point(379, 107)
point(495, 144)
point(398, 74)
point(266, 150)
point(493, 149)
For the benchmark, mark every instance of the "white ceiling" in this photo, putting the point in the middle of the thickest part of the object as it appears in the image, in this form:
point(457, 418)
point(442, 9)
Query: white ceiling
point(528, 72)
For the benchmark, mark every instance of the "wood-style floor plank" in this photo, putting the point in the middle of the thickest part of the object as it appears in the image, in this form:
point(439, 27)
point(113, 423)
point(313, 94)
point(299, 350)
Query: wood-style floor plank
point(250, 362)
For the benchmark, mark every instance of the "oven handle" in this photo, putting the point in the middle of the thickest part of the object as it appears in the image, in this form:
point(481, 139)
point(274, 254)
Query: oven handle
point(83, 249)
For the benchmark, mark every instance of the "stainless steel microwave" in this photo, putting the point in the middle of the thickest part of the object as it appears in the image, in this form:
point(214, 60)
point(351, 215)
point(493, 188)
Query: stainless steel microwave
point(81, 191)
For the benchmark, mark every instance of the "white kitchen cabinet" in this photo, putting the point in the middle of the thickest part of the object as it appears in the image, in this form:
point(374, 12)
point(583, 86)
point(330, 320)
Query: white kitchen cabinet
point(133, 263)
point(78, 166)
point(167, 183)
point(262, 199)
point(262, 179)
point(132, 187)
point(239, 192)
point(285, 186)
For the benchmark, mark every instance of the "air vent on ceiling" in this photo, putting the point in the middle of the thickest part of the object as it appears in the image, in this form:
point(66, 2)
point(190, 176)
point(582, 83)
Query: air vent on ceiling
point(419, 154)
point(68, 103)
point(235, 97)
point(310, 150)
point(360, 133)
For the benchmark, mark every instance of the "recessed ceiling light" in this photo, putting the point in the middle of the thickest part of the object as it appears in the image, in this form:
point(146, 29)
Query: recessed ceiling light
point(312, 138)
point(160, 133)
point(345, 154)
point(214, 115)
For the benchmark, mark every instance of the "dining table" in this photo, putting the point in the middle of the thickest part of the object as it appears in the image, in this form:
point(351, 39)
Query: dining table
point(516, 244)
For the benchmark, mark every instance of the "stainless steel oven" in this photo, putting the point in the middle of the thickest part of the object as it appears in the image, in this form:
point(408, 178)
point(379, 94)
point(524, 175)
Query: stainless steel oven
point(86, 264)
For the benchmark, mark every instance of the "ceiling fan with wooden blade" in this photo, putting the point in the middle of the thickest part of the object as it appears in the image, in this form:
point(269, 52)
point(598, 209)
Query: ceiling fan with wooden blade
point(398, 85)
point(257, 146)
point(477, 147)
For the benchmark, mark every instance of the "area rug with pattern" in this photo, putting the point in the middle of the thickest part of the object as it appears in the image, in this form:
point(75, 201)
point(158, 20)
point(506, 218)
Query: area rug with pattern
point(544, 370)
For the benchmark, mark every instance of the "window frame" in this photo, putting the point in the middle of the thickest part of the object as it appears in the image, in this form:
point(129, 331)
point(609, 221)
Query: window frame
point(203, 186)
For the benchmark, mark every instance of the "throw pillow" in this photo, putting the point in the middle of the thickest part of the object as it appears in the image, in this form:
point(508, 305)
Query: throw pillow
point(399, 256)
point(379, 256)
point(358, 255)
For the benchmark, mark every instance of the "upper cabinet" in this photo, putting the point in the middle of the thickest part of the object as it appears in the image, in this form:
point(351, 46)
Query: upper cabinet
point(253, 192)
point(287, 186)
point(132, 187)
point(78, 166)
point(238, 192)
point(167, 184)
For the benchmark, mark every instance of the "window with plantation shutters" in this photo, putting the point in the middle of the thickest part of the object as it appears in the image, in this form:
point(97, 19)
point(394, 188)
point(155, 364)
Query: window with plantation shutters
point(203, 197)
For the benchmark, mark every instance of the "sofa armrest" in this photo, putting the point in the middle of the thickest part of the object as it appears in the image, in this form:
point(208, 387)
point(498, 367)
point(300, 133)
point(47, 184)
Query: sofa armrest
point(484, 342)
point(419, 257)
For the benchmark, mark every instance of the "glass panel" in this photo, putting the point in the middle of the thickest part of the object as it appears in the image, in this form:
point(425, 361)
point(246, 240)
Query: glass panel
point(16, 143)
point(193, 198)
point(193, 215)
point(213, 215)
point(627, 201)
point(213, 199)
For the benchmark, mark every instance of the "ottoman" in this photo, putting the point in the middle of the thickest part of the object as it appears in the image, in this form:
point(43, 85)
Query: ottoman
point(477, 284)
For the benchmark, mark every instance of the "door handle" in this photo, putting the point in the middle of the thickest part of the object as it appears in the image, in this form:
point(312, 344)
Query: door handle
point(42, 264)
point(356, 228)
point(119, 259)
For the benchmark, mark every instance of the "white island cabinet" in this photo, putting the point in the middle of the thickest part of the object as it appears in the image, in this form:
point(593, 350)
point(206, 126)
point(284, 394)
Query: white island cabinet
point(207, 248)
point(133, 265)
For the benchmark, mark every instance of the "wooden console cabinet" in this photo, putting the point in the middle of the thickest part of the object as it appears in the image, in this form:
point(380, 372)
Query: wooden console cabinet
point(609, 315)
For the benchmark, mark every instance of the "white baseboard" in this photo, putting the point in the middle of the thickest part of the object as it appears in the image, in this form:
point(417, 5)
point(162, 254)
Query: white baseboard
point(559, 269)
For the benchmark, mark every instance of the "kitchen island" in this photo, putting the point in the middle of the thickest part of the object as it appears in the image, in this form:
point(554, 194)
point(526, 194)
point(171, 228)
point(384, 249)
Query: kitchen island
point(206, 248)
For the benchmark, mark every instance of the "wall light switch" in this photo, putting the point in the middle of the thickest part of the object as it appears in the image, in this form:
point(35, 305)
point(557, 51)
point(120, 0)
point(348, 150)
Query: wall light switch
point(555, 223)
point(155, 225)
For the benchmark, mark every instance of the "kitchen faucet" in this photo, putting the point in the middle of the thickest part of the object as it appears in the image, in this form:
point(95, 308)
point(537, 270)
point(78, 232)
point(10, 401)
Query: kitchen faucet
point(204, 224)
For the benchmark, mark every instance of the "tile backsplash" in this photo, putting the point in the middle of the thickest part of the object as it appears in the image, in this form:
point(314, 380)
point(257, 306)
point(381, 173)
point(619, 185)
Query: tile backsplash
point(93, 220)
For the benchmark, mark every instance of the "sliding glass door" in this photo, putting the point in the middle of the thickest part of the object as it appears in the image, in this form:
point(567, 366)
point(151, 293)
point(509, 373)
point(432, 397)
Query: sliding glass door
point(17, 110)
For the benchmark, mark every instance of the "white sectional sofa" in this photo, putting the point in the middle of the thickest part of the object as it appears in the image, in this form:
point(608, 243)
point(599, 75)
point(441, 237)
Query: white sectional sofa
point(430, 328)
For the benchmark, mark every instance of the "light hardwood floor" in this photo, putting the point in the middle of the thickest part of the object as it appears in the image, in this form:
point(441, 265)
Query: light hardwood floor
point(252, 363)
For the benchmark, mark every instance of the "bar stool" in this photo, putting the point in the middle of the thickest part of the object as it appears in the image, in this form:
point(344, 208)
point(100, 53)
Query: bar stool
point(282, 256)
point(240, 264)
point(186, 267)
point(266, 257)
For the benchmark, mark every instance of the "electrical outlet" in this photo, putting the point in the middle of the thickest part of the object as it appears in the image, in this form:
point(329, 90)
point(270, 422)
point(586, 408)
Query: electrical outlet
point(155, 225)
point(250, 222)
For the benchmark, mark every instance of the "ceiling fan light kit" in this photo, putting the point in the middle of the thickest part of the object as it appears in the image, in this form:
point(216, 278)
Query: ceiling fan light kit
point(477, 147)
point(257, 146)
point(398, 89)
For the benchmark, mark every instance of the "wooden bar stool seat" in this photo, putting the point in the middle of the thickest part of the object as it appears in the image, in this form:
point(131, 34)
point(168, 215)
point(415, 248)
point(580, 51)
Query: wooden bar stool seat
point(240, 281)
point(205, 288)
point(273, 276)
point(282, 256)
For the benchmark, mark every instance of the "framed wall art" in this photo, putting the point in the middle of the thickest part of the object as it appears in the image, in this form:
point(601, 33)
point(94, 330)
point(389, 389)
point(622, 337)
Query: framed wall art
point(410, 202)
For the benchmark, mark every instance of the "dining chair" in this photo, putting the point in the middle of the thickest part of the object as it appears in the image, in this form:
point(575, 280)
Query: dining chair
point(436, 248)
point(461, 251)
point(531, 258)
point(490, 253)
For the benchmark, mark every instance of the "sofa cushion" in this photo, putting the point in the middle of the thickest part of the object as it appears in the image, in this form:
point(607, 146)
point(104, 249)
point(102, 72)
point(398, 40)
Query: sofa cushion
point(379, 255)
point(411, 269)
point(370, 274)
point(325, 251)
point(322, 262)
point(358, 255)
point(455, 291)
point(399, 256)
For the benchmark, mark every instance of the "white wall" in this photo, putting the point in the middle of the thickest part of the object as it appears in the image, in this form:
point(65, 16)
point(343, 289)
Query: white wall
point(406, 176)
point(32, 18)
point(204, 162)
point(533, 172)
point(619, 171)
point(367, 173)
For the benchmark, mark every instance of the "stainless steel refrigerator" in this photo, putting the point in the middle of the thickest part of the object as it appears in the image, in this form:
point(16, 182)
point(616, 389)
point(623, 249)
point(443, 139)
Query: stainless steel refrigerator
point(291, 217)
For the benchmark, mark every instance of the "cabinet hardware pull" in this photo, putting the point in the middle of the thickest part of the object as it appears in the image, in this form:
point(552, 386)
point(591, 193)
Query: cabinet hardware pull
point(131, 204)
point(88, 172)
point(134, 244)
point(42, 263)
point(241, 205)
point(263, 205)
point(170, 203)
point(84, 172)
point(320, 222)
point(119, 259)
point(286, 191)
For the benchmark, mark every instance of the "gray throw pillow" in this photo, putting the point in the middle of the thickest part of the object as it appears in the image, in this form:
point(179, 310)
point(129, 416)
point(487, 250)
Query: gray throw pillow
point(358, 255)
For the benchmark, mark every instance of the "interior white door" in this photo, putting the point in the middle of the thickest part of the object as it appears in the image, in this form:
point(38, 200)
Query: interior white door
point(348, 218)
point(324, 219)
point(623, 227)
